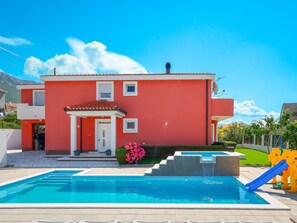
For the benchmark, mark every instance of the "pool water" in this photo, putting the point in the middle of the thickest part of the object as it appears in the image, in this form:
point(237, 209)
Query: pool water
point(208, 157)
point(63, 187)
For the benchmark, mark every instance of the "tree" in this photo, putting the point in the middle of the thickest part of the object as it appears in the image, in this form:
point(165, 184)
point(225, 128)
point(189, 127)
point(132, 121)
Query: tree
point(270, 126)
point(232, 132)
point(290, 134)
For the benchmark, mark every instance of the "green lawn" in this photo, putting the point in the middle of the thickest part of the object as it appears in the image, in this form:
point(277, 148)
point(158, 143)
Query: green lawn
point(253, 157)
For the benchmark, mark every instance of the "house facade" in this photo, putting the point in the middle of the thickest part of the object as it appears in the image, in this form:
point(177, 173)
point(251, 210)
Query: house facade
point(105, 111)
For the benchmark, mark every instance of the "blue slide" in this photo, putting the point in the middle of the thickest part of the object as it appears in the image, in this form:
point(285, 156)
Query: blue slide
point(268, 175)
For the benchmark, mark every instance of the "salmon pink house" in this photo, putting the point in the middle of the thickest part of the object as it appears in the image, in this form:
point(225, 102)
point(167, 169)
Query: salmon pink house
point(104, 111)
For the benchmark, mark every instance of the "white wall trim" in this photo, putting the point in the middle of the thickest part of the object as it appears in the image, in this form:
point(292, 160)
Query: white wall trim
point(123, 77)
point(125, 93)
point(30, 86)
point(96, 129)
point(97, 113)
point(125, 120)
point(113, 134)
point(73, 134)
point(97, 90)
point(213, 138)
point(33, 97)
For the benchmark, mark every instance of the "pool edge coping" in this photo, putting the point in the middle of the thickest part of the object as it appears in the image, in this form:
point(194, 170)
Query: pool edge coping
point(274, 204)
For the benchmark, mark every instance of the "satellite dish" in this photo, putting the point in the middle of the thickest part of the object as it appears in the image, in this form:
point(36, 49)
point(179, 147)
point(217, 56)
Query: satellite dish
point(215, 88)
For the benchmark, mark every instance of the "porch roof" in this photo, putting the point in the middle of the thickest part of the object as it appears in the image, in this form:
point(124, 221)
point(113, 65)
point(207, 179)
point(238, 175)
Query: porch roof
point(101, 105)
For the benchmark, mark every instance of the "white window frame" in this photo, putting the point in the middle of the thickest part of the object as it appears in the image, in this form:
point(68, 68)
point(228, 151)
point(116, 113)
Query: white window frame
point(125, 92)
point(98, 88)
point(125, 121)
point(213, 133)
point(33, 101)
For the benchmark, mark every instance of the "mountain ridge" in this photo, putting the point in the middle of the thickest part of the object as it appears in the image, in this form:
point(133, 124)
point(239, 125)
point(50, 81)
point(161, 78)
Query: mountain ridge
point(9, 83)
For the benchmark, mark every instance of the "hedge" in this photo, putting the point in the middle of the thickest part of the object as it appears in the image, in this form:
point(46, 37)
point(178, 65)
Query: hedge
point(165, 151)
point(230, 143)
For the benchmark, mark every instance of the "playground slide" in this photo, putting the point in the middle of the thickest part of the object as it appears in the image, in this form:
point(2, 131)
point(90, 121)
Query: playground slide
point(268, 175)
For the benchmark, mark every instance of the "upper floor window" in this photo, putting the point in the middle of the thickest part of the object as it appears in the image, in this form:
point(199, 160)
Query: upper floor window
point(38, 98)
point(105, 91)
point(130, 88)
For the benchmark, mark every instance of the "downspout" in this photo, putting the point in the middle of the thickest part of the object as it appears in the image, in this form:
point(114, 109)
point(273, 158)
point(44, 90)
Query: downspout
point(206, 114)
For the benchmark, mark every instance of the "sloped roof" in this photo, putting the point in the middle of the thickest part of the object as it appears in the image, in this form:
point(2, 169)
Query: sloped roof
point(101, 105)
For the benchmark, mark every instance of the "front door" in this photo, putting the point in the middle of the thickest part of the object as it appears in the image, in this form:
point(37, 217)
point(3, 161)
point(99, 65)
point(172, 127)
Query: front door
point(103, 136)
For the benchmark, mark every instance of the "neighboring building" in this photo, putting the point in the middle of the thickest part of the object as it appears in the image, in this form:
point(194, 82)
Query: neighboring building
point(291, 107)
point(2, 102)
point(105, 111)
point(10, 108)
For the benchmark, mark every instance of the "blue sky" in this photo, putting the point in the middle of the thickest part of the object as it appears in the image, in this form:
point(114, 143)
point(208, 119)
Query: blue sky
point(250, 44)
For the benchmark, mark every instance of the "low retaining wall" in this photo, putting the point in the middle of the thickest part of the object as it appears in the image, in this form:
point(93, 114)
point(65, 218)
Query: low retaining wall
point(3, 148)
point(14, 138)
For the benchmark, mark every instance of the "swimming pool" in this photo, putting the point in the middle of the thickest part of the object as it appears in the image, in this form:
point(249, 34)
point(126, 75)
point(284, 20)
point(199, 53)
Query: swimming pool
point(68, 187)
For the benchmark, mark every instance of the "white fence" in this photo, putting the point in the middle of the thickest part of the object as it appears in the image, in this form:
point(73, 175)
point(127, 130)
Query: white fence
point(260, 143)
point(3, 147)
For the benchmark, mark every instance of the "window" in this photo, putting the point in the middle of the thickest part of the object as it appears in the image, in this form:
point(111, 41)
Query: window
point(38, 97)
point(130, 88)
point(130, 125)
point(105, 91)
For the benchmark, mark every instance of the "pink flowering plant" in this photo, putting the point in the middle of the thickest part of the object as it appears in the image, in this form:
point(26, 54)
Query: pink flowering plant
point(135, 152)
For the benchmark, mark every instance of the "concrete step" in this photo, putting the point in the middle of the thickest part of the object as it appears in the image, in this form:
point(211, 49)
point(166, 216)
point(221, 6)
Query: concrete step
point(92, 156)
point(105, 159)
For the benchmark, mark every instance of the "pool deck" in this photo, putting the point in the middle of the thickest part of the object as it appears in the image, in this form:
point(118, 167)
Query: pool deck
point(17, 215)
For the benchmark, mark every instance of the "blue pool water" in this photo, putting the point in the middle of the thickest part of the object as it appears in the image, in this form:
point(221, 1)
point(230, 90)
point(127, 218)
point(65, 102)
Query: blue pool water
point(63, 187)
point(204, 154)
point(208, 157)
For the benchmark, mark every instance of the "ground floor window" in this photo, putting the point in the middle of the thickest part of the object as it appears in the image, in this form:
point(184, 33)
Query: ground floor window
point(130, 125)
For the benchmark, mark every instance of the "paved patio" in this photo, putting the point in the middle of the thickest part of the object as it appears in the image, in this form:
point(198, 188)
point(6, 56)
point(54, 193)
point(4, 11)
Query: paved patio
point(128, 215)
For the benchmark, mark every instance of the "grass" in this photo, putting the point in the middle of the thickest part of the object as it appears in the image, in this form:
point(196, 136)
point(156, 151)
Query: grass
point(253, 157)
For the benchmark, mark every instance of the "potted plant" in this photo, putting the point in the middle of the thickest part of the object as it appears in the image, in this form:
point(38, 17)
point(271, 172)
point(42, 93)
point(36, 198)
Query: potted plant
point(76, 152)
point(108, 152)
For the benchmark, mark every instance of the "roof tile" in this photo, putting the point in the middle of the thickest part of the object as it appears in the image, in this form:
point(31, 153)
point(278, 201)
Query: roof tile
point(101, 105)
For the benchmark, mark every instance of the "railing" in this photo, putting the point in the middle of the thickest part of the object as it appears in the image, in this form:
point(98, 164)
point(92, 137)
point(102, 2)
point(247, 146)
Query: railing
point(26, 112)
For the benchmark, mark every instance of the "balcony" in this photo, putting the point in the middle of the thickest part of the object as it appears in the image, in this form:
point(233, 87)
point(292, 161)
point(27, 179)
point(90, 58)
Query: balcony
point(222, 108)
point(27, 112)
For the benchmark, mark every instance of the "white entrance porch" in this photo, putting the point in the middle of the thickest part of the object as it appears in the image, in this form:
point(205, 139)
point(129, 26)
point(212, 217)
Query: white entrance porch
point(105, 128)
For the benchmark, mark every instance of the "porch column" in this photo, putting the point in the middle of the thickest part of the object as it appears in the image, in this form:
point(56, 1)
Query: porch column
point(73, 134)
point(113, 134)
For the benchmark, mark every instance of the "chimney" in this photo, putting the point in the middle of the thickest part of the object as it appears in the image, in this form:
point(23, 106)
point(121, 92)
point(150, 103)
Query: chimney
point(168, 66)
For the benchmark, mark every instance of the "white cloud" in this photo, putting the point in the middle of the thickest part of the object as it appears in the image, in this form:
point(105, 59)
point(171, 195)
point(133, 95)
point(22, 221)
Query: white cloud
point(249, 108)
point(14, 41)
point(248, 111)
point(84, 58)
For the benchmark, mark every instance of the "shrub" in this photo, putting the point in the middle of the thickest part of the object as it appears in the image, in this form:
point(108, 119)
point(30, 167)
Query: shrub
point(165, 151)
point(230, 143)
point(135, 152)
point(121, 155)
